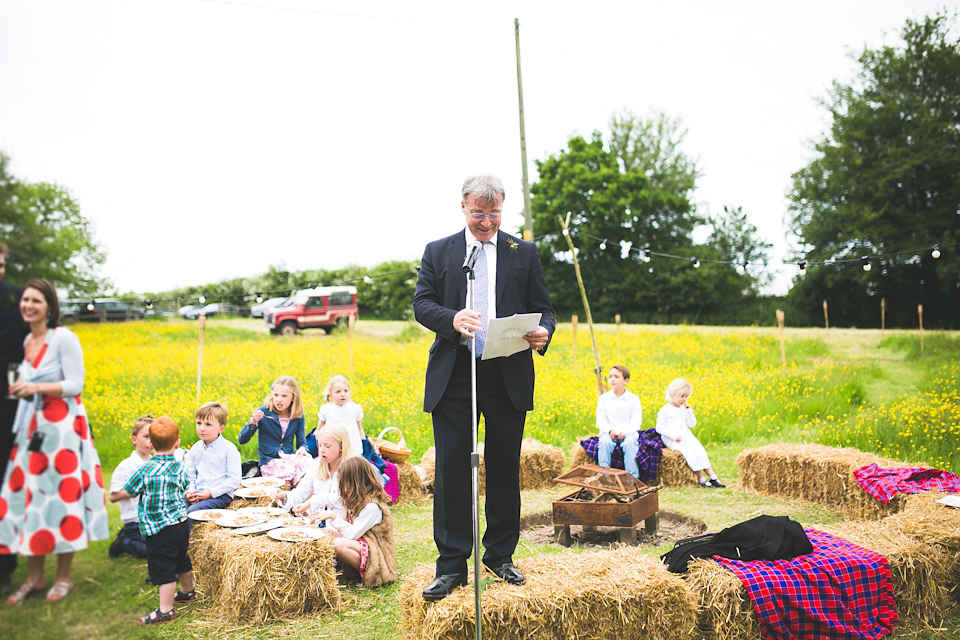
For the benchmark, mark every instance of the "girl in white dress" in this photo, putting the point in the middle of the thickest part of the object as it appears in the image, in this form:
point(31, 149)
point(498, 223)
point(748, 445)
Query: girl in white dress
point(673, 424)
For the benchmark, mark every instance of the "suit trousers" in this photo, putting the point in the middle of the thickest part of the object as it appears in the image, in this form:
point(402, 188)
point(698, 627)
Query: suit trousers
point(452, 488)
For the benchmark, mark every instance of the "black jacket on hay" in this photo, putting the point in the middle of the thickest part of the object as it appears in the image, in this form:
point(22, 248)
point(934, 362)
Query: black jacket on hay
point(761, 538)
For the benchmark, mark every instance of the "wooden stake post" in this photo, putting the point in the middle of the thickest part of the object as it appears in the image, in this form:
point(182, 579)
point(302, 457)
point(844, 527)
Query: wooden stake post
point(616, 319)
point(201, 326)
point(565, 224)
point(883, 315)
point(826, 319)
point(783, 351)
point(350, 322)
point(920, 316)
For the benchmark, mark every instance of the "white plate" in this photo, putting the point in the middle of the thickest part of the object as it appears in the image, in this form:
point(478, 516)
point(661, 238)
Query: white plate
point(263, 511)
point(950, 501)
point(242, 520)
point(256, 528)
point(209, 515)
point(290, 521)
point(308, 533)
point(253, 492)
point(262, 482)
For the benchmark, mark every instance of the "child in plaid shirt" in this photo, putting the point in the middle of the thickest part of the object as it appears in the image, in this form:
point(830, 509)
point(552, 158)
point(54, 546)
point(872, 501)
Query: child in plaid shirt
point(161, 483)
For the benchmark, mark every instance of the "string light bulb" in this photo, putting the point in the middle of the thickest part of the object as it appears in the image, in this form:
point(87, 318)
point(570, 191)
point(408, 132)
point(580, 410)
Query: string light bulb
point(866, 263)
point(603, 245)
point(259, 297)
point(936, 252)
point(695, 263)
point(149, 303)
point(367, 279)
point(202, 299)
point(91, 306)
point(646, 255)
point(803, 267)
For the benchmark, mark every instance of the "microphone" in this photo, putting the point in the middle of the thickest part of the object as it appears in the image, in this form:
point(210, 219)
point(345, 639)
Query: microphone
point(471, 257)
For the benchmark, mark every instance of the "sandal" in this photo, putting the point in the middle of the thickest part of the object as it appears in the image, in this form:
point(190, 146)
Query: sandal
point(20, 594)
point(58, 591)
point(184, 597)
point(157, 617)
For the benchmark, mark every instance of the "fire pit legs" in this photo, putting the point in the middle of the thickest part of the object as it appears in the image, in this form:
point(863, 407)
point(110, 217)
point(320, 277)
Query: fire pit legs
point(564, 538)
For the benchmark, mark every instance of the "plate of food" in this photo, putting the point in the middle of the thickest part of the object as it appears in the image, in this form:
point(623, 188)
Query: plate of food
point(296, 534)
point(263, 511)
point(252, 492)
point(290, 521)
point(242, 520)
point(209, 515)
point(262, 482)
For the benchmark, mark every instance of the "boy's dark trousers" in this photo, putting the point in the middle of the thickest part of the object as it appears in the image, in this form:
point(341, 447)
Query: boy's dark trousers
point(131, 541)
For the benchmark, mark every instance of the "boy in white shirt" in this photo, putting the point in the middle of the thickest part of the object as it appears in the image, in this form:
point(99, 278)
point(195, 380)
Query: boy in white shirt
point(619, 416)
point(128, 538)
point(213, 463)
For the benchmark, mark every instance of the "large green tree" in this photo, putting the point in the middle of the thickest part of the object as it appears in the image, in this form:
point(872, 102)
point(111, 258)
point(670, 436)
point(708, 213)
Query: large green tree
point(885, 184)
point(47, 236)
point(624, 201)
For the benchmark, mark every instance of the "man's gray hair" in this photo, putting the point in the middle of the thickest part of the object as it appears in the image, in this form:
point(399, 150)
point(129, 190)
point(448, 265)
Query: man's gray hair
point(484, 187)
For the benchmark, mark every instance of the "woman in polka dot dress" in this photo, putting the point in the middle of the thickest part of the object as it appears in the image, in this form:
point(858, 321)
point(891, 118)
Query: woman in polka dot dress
point(51, 501)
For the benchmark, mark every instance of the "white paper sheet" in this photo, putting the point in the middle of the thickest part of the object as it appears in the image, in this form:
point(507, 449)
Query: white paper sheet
point(505, 335)
point(950, 501)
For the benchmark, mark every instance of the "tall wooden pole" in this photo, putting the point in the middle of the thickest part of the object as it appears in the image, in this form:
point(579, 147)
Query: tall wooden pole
point(826, 319)
point(783, 350)
point(574, 320)
point(201, 325)
point(883, 315)
point(586, 304)
point(920, 316)
point(616, 319)
point(527, 210)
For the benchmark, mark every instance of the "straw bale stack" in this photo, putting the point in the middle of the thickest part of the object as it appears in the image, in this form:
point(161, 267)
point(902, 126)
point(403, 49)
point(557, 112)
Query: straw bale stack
point(724, 610)
point(539, 464)
point(411, 487)
point(674, 471)
point(817, 473)
point(919, 571)
point(617, 594)
point(934, 525)
point(253, 579)
point(429, 464)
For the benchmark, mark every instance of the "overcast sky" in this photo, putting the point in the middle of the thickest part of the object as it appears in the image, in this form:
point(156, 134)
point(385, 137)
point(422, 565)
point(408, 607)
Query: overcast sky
point(209, 139)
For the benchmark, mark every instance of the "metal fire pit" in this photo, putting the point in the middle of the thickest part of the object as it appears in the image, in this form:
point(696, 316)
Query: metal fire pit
point(607, 497)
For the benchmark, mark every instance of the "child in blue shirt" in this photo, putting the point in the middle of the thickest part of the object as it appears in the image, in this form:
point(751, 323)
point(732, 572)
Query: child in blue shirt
point(213, 463)
point(161, 482)
point(279, 421)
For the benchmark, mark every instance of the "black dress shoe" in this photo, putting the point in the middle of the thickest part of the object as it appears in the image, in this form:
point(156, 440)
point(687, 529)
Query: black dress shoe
point(508, 573)
point(716, 484)
point(442, 586)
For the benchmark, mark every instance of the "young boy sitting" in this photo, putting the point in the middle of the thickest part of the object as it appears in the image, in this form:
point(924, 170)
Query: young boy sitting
point(161, 482)
point(213, 463)
point(619, 416)
point(129, 538)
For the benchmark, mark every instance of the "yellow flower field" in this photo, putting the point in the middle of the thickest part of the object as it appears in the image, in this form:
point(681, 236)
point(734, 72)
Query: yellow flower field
point(740, 388)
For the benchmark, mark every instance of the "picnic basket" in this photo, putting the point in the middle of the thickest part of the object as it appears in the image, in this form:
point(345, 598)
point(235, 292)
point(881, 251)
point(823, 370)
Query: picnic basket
point(392, 451)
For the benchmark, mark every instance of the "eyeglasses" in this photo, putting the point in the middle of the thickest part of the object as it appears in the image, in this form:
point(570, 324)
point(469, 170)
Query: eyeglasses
point(480, 216)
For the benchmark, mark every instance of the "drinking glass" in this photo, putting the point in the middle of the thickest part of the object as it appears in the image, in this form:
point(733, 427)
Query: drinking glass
point(13, 374)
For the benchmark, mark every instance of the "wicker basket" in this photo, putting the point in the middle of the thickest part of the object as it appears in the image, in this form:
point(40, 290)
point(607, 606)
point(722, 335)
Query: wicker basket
point(394, 452)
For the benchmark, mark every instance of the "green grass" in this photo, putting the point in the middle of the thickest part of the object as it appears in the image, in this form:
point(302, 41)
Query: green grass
point(111, 594)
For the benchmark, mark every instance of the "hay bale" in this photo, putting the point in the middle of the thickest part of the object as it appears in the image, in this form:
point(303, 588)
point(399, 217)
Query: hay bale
point(934, 525)
point(253, 579)
point(429, 464)
point(615, 594)
point(817, 473)
point(724, 610)
point(919, 571)
point(539, 464)
point(411, 487)
point(674, 471)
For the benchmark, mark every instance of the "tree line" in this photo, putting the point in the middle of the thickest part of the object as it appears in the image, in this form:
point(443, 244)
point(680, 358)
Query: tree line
point(882, 191)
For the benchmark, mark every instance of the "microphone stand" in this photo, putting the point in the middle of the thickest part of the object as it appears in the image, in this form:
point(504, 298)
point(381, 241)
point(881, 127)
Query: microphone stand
point(474, 456)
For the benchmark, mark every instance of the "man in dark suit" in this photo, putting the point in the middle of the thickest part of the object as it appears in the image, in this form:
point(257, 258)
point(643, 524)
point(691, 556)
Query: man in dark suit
point(514, 284)
point(12, 332)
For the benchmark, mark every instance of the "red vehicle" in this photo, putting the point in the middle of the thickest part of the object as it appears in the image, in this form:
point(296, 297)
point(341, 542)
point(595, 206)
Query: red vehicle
point(321, 307)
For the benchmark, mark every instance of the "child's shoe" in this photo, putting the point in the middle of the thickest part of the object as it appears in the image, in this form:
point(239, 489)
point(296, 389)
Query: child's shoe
point(705, 483)
point(185, 597)
point(116, 548)
point(157, 617)
point(716, 484)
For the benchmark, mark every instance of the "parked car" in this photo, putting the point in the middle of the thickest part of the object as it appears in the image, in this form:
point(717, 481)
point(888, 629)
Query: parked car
point(213, 309)
point(184, 310)
point(322, 307)
point(70, 309)
point(107, 309)
point(258, 310)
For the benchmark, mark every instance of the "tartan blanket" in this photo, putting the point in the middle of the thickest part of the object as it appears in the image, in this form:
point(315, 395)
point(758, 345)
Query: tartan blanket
point(838, 591)
point(883, 483)
point(648, 456)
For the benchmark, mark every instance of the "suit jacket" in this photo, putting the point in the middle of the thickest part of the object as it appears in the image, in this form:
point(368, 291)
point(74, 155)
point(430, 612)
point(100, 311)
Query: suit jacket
point(270, 443)
point(12, 329)
point(442, 291)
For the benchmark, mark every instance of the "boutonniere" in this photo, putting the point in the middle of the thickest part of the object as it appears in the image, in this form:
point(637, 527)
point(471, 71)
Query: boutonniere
point(513, 245)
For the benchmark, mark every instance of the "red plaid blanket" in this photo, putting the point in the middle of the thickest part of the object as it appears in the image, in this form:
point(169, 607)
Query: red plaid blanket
point(648, 455)
point(883, 484)
point(838, 591)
